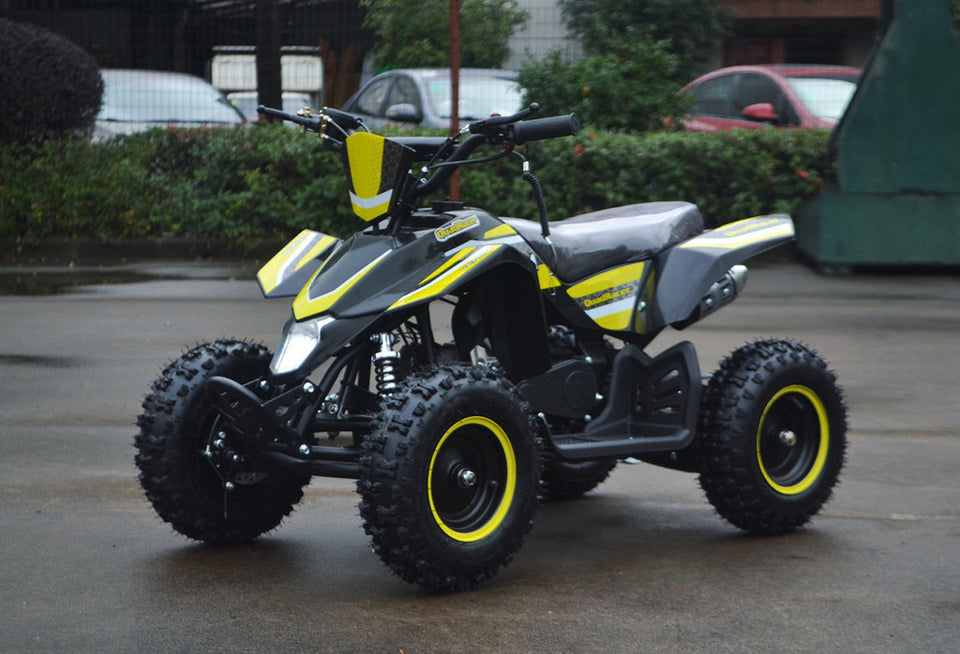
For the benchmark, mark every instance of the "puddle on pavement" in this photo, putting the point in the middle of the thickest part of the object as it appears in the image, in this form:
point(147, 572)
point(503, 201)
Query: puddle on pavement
point(63, 280)
point(37, 361)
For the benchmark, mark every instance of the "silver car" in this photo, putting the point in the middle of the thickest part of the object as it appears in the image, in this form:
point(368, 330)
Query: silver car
point(137, 100)
point(421, 96)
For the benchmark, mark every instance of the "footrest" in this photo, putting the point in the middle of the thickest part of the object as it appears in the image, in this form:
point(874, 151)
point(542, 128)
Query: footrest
point(652, 407)
point(581, 446)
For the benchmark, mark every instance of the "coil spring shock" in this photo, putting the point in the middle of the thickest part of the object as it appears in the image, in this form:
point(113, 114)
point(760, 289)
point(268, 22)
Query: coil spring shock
point(385, 364)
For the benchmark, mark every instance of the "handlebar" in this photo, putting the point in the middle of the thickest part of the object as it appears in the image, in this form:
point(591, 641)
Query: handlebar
point(539, 129)
point(504, 130)
point(341, 119)
point(310, 123)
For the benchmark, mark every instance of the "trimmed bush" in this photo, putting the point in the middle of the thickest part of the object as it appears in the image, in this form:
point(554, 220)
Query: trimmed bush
point(50, 86)
point(729, 175)
point(267, 182)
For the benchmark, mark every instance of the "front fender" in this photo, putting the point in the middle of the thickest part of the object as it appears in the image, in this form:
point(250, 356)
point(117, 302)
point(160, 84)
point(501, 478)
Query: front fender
point(295, 264)
point(375, 274)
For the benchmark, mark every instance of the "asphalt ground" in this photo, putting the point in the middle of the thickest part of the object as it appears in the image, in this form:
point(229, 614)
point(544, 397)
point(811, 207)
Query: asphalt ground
point(642, 564)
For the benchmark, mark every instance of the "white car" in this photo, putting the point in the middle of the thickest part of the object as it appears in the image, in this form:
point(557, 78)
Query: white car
point(422, 97)
point(138, 100)
point(246, 102)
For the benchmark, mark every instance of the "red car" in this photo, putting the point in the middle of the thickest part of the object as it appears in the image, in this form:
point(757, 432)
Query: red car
point(782, 95)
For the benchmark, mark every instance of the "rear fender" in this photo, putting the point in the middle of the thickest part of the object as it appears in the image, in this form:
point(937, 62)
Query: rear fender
point(691, 268)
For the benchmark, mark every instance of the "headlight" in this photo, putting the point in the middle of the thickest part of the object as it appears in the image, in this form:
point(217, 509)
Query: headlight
point(299, 340)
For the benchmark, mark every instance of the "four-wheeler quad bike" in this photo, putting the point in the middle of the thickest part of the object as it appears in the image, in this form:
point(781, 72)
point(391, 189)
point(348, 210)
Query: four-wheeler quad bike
point(541, 384)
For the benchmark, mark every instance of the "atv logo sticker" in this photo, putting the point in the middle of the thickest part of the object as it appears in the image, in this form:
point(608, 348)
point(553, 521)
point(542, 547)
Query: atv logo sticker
point(608, 296)
point(454, 227)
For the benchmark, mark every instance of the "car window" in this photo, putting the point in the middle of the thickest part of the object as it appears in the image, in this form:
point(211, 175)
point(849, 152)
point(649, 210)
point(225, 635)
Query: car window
point(479, 97)
point(371, 100)
point(825, 98)
point(757, 89)
point(754, 89)
point(157, 98)
point(712, 97)
point(404, 92)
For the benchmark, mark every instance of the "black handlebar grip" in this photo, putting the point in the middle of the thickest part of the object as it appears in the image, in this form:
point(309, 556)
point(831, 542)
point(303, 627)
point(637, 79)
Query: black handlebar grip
point(276, 113)
point(538, 129)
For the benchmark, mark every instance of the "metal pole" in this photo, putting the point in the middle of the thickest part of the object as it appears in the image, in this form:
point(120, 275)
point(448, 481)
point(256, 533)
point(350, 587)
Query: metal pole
point(455, 87)
point(269, 90)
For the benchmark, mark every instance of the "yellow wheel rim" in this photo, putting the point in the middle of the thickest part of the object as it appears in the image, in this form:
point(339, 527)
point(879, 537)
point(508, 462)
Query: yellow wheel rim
point(793, 440)
point(472, 479)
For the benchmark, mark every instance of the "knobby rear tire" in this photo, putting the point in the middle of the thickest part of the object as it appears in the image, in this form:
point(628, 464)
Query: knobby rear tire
point(568, 480)
point(772, 436)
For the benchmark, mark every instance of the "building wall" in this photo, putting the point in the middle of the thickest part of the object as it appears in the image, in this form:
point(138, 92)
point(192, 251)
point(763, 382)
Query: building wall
point(543, 32)
point(802, 31)
point(803, 9)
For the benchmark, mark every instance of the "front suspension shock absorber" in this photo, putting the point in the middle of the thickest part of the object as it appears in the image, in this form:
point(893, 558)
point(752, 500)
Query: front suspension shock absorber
point(385, 363)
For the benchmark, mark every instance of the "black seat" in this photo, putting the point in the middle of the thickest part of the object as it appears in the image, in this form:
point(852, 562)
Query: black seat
point(593, 241)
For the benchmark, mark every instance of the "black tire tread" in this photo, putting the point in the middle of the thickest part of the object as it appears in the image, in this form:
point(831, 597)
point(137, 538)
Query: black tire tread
point(389, 485)
point(729, 477)
point(565, 482)
point(167, 442)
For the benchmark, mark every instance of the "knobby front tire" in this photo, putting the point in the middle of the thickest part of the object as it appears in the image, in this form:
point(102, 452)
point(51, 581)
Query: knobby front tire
point(450, 477)
point(179, 423)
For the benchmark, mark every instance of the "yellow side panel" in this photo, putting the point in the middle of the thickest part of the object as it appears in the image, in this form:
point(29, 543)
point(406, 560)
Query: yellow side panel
point(546, 277)
point(609, 297)
point(607, 280)
point(618, 322)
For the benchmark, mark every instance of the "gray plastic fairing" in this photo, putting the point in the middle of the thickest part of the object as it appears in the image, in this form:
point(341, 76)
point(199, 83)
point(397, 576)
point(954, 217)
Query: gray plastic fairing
point(687, 273)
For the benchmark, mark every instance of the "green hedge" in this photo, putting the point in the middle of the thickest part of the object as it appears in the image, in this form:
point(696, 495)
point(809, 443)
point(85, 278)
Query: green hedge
point(244, 185)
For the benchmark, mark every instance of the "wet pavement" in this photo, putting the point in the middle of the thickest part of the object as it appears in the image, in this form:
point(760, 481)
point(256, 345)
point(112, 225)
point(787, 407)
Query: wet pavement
point(640, 564)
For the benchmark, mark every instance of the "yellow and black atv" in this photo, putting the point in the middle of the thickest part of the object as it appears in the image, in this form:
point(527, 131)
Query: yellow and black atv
point(540, 383)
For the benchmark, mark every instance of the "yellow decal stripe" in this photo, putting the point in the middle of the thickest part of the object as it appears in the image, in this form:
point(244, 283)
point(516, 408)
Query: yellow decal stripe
point(305, 306)
point(457, 256)
point(615, 321)
point(546, 277)
point(742, 233)
point(324, 243)
point(607, 280)
point(440, 285)
point(497, 232)
point(273, 272)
